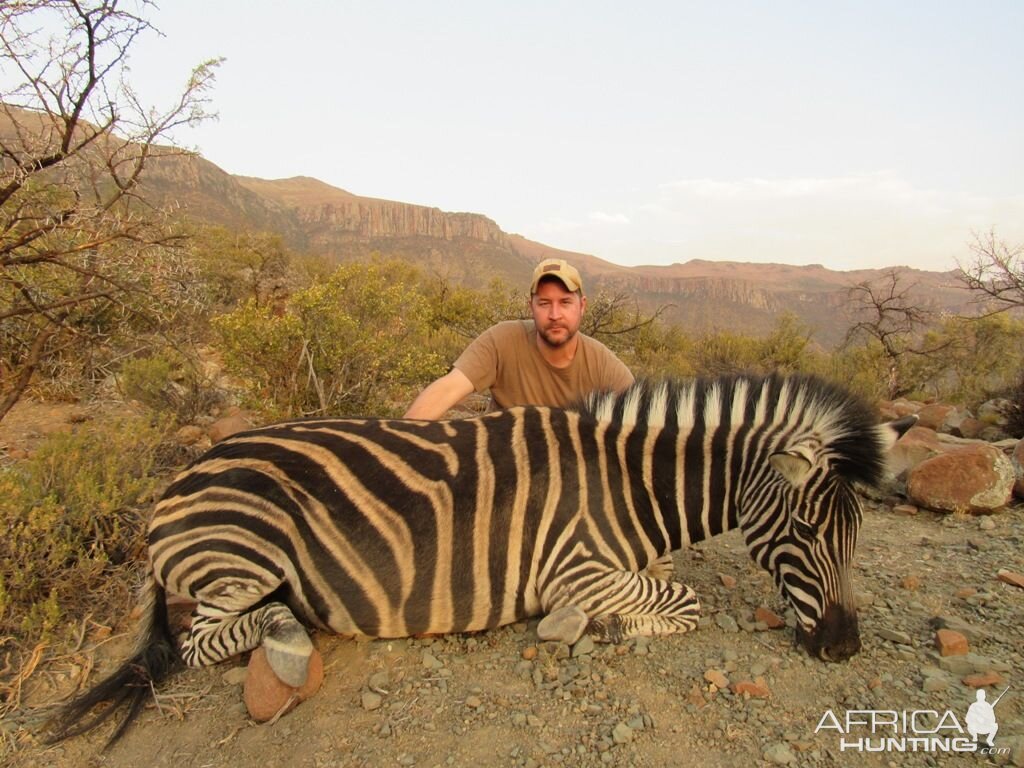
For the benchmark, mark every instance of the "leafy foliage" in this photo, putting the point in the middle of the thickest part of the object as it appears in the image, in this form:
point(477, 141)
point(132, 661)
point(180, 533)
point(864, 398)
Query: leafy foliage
point(355, 343)
point(71, 513)
point(169, 382)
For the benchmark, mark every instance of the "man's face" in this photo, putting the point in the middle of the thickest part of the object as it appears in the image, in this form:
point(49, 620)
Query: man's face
point(556, 312)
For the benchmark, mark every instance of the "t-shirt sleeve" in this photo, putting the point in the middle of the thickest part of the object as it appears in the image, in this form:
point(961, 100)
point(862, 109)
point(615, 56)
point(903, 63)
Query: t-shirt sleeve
point(479, 361)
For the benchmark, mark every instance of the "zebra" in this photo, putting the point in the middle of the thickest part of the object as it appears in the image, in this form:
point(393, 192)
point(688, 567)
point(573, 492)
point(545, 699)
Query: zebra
point(391, 528)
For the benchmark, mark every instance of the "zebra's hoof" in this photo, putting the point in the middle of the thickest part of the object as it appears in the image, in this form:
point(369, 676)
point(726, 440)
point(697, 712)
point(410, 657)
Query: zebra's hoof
point(564, 624)
point(288, 651)
point(267, 697)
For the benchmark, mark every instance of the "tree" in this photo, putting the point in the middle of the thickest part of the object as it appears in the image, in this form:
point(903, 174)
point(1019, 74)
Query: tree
point(81, 253)
point(886, 312)
point(995, 274)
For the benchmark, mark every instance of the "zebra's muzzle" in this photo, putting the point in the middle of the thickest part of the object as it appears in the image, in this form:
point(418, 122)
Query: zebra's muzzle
point(835, 638)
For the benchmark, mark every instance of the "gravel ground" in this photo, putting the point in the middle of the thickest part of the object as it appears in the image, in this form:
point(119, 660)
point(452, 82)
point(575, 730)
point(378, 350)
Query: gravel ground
point(504, 698)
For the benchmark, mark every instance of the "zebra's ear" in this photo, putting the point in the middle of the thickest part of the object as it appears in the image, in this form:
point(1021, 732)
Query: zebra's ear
point(791, 465)
point(892, 431)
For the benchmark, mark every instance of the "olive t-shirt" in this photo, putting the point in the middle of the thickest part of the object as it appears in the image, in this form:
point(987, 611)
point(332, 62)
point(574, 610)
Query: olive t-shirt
point(505, 359)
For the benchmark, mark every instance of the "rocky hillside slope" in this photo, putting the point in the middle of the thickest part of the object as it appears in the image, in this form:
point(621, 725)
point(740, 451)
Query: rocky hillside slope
point(471, 248)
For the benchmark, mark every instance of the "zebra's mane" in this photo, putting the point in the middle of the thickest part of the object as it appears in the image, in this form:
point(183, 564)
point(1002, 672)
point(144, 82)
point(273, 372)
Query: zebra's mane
point(843, 423)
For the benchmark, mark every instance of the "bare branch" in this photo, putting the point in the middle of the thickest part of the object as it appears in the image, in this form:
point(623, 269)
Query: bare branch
point(995, 274)
point(79, 247)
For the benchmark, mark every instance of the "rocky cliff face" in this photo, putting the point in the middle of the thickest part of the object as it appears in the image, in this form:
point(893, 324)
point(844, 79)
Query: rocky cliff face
point(709, 289)
point(368, 218)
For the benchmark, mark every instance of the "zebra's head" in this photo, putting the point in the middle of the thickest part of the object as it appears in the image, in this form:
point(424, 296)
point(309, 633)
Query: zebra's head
point(816, 520)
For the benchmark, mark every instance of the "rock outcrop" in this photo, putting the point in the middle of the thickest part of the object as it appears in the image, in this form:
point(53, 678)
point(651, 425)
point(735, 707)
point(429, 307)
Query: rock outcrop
point(953, 462)
point(978, 479)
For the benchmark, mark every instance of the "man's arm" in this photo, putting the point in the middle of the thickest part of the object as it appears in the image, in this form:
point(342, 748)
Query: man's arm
point(435, 401)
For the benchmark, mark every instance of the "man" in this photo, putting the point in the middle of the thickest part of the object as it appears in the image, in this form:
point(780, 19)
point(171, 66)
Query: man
point(546, 361)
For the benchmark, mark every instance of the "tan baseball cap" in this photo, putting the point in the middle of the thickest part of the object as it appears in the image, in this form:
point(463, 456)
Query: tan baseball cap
point(558, 268)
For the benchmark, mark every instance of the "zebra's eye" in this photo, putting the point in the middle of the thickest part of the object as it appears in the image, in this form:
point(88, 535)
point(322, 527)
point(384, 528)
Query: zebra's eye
point(805, 528)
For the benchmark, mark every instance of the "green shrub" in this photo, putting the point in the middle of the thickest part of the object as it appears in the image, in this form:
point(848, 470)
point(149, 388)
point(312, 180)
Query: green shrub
point(72, 511)
point(354, 344)
point(168, 382)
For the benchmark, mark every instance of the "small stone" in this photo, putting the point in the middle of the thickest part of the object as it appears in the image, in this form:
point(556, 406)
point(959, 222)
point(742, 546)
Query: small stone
point(622, 734)
point(371, 700)
point(779, 754)
point(964, 592)
point(875, 682)
point(729, 582)
point(583, 647)
point(906, 510)
point(430, 661)
point(265, 695)
point(934, 684)
point(716, 678)
point(726, 622)
point(696, 697)
point(753, 689)
point(911, 582)
point(987, 524)
point(1011, 578)
point(894, 636)
point(983, 680)
point(771, 619)
point(529, 652)
point(379, 681)
point(972, 633)
point(956, 665)
point(474, 702)
point(235, 676)
point(227, 426)
point(951, 643)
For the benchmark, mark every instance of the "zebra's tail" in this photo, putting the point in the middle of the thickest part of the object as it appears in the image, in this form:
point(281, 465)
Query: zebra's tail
point(154, 658)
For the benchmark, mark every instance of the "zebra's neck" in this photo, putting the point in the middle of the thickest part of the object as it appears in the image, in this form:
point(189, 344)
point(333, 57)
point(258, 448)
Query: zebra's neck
point(692, 447)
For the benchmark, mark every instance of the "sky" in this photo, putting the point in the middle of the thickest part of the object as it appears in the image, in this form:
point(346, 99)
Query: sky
point(849, 134)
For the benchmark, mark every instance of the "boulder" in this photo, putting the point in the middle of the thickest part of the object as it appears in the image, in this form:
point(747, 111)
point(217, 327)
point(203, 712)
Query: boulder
point(904, 407)
point(977, 479)
point(886, 412)
point(1017, 460)
point(970, 428)
point(934, 416)
point(917, 445)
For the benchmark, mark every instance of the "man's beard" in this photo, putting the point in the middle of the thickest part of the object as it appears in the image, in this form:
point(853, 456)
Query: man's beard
point(544, 334)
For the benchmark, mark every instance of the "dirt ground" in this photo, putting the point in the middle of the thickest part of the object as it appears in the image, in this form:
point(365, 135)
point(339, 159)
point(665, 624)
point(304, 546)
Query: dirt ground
point(503, 698)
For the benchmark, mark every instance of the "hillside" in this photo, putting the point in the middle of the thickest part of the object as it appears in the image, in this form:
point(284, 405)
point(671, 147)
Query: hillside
point(471, 248)
point(315, 217)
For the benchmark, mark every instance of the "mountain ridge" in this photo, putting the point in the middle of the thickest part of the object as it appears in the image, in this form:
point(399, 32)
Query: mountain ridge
point(700, 294)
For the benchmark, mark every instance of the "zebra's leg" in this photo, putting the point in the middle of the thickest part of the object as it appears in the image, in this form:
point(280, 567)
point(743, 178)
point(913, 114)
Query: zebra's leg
point(216, 635)
point(622, 604)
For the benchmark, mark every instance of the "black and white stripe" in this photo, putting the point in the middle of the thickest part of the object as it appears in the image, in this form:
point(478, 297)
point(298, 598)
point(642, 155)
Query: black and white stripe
point(389, 528)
